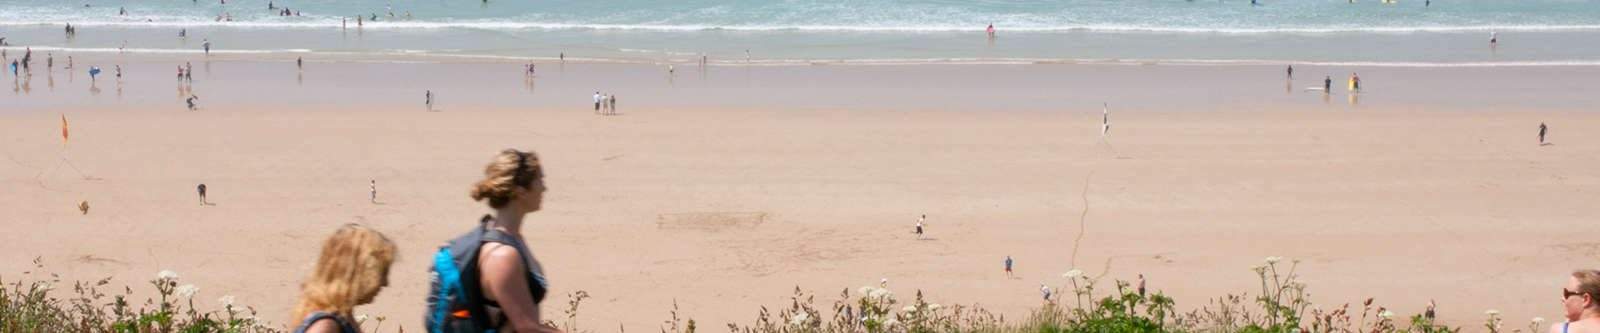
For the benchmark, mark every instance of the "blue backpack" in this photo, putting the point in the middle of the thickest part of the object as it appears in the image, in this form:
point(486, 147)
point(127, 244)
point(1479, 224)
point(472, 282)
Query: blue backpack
point(455, 299)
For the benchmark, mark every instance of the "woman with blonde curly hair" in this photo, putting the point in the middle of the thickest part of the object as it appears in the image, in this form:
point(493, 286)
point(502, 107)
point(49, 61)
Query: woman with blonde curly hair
point(353, 267)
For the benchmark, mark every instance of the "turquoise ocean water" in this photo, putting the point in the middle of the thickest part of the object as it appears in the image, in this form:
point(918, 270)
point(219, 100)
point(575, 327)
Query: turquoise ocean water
point(1366, 32)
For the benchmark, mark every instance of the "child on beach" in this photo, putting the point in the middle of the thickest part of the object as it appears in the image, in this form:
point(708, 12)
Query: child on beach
point(202, 187)
point(919, 225)
point(353, 267)
point(1008, 266)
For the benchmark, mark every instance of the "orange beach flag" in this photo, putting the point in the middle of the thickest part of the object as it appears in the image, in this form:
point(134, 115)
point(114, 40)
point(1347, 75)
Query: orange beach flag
point(63, 129)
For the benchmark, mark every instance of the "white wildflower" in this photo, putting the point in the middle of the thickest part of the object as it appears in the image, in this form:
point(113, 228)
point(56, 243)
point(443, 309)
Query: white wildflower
point(187, 291)
point(1274, 259)
point(865, 290)
point(1538, 320)
point(884, 282)
point(1492, 312)
point(226, 300)
point(167, 275)
point(909, 309)
point(880, 293)
point(361, 318)
point(1386, 314)
point(1072, 274)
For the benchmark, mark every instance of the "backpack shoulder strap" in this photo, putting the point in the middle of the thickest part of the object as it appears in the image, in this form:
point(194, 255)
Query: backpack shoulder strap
point(314, 317)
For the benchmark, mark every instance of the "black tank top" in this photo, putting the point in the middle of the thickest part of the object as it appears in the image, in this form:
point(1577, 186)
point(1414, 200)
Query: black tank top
point(534, 274)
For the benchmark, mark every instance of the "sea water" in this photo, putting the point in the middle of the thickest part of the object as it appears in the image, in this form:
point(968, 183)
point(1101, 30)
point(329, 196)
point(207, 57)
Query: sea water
point(1362, 32)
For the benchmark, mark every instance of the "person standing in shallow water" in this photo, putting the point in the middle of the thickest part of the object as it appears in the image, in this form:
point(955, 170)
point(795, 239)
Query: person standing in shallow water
point(513, 287)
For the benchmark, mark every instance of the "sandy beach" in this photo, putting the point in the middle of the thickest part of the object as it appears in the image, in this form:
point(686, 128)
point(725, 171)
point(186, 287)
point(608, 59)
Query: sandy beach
point(724, 190)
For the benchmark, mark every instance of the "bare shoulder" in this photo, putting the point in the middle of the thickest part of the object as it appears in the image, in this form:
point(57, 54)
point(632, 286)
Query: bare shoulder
point(500, 256)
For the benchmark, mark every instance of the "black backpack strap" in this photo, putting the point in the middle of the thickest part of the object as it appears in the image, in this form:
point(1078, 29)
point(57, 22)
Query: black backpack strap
point(314, 317)
point(472, 282)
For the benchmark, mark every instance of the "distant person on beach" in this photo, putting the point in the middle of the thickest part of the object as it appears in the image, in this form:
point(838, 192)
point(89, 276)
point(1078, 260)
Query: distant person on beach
point(352, 268)
point(201, 188)
point(1542, 131)
point(1291, 72)
point(299, 63)
point(613, 101)
point(180, 73)
point(512, 281)
point(69, 62)
point(1008, 266)
point(1045, 290)
point(1105, 120)
point(1581, 300)
point(1355, 80)
point(990, 30)
point(374, 187)
point(119, 72)
point(1141, 285)
point(1494, 38)
point(1327, 84)
point(188, 71)
point(49, 61)
point(207, 45)
point(94, 71)
point(429, 101)
point(192, 107)
point(596, 102)
point(919, 225)
point(183, 33)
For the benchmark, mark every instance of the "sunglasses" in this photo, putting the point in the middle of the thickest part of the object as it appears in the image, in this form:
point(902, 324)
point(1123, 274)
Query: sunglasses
point(1568, 293)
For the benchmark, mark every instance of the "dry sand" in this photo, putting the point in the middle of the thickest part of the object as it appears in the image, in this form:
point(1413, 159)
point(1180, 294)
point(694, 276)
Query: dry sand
point(724, 210)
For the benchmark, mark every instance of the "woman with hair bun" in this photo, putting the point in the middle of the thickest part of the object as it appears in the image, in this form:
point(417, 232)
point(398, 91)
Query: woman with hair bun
point(503, 282)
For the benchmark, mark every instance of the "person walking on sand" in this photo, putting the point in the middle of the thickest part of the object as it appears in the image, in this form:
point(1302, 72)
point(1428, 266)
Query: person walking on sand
point(612, 100)
point(352, 268)
point(924, 218)
point(206, 44)
point(180, 73)
point(188, 71)
point(1105, 120)
point(1327, 84)
point(1291, 72)
point(429, 99)
point(1008, 266)
point(300, 63)
point(202, 190)
point(1542, 131)
point(512, 282)
point(1141, 285)
point(597, 102)
point(374, 187)
point(1580, 299)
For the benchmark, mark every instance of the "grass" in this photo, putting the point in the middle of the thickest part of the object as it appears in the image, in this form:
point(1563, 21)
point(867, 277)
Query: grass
point(1281, 305)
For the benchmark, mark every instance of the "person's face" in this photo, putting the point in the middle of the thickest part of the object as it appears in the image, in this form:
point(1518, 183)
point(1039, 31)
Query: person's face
point(1573, 301)
point(533, 198)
